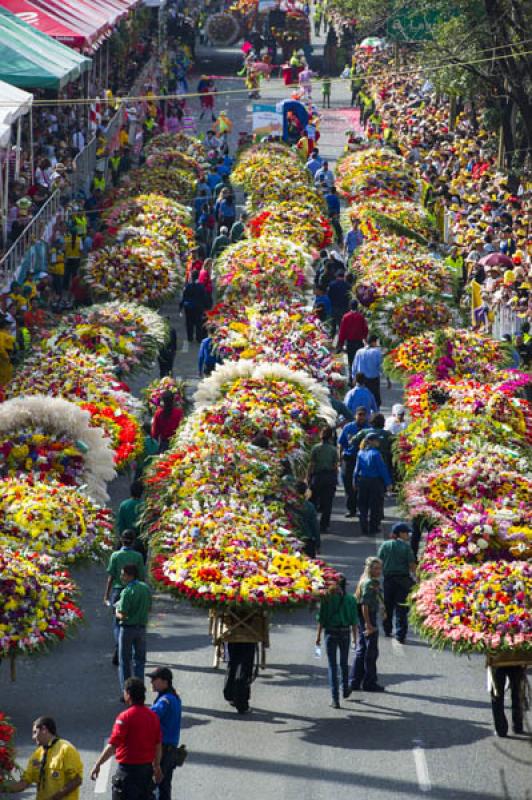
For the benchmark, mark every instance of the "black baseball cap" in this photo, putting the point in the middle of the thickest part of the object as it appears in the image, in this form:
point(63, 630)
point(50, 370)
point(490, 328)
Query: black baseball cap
point(163, 673)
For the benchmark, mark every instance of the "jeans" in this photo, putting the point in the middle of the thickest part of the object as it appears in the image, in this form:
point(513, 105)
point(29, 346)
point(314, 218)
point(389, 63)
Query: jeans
point(364, 669)
point(131, 646)
point(347, 478)
point(323, 487)
point(133, 782)
point(396, 589)
point(370, 502)
point(338, 641)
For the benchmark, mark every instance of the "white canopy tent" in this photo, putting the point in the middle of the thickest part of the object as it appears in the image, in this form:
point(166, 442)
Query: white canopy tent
point(14, 103)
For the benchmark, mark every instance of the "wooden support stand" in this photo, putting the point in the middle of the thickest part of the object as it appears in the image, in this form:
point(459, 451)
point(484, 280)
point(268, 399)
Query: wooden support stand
point(246, 626)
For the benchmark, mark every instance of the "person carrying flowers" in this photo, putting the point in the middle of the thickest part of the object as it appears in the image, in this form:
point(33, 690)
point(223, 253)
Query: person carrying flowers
point(368, 593)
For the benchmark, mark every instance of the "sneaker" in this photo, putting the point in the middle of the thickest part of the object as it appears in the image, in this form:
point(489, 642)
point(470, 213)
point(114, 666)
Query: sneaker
point(400, 639)
point(335, 704)
point(349, 515)
point(375, 688)
point(347, 693)
point(518, 728)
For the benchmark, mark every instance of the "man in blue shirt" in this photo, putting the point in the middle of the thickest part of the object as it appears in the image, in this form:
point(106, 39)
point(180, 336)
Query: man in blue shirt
point(360, 395)
point(339, 293)
point(315, 161)
point(322, 299)
point(207, 359)
point(368, 360)
point(353, 239)
point(348, 451)
point(167, 706)
point(371, 479)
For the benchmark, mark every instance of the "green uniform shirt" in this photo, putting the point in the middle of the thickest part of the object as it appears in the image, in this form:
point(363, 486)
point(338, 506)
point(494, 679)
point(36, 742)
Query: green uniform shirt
point(237, 231)
point(128, 514)
point(323, 457)
point(135, 603)
point(307, 521)
point(397, 557)
point(338, 611)
point(119, 559)
point(370, 594)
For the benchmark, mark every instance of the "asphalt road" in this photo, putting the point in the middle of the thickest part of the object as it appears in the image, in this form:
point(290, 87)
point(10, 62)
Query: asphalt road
point(428, 734)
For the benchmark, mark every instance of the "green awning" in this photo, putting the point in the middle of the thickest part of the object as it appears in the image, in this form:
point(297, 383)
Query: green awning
point(31, 60)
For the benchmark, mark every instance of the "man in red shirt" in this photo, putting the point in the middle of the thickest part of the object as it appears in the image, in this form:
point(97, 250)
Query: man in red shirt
point(135, 741)
point(353, 331)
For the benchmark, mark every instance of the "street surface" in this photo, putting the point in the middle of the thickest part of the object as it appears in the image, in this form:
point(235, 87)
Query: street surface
point(430, 734)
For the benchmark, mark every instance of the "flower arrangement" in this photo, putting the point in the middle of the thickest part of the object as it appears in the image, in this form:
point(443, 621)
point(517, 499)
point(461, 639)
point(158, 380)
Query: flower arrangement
point(173, 159)
point(154, 392)
point(406, 315)
point(451, 351)
point(375, 170)
point(294, 221)
point(263, 267)
point(175, 184)
point(396, 215)
point(485, 609)
point(121, 428)
point(7, 749)
point(51, 438)
point(286, 333)
point(37, 605)
point(54, 519)
point(177, 141)
point(260, 159)
point(141, 270)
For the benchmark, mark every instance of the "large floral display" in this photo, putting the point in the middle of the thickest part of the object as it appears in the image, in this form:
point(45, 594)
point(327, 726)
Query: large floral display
point(70, 419)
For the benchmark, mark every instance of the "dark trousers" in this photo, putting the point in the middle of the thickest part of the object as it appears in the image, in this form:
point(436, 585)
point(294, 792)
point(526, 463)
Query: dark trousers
point(239, 675)
point(71, 269)
point(516, 677)
point(374, 385)
point(133, 782)
point(352, 346)
point(348, 467)
point(337, 642)
point(336, 318)
point(166, 365)
point(167, 759)
point(309, 548)
point(370, 502)
point(364, 669)
point(323, 487)
point(194, 323)
point(396, 589)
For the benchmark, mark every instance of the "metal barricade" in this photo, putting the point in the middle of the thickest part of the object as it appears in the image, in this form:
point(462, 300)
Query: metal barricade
point(34, 231)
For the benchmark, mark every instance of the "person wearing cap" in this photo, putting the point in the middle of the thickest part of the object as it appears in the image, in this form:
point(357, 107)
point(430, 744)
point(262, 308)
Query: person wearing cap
point(136, 743)
point(348, 445)
point(338, 617)
point(398, 569)
point(396, 422)
point(167, 706)
point(371, 479)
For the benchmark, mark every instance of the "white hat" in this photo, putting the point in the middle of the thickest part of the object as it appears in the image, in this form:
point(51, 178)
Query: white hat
point(398, 409)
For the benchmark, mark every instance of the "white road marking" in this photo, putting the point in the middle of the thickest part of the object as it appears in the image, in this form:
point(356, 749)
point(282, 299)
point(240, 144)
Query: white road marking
point(100, 786)
point(422, 770)
point(184, 349)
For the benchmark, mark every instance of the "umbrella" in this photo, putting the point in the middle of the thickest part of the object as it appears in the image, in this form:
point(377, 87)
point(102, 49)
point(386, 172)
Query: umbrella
point(371, 41)
point(496, 260)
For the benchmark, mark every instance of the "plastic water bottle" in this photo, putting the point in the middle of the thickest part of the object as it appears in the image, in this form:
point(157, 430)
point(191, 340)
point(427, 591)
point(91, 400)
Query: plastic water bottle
point(317, 651)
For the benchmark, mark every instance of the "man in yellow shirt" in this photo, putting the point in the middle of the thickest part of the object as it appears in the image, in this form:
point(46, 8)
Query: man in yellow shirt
point(54, 767)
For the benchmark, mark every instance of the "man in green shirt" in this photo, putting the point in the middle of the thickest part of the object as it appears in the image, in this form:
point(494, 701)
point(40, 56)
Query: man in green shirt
point(398, 567)
point(238, 228)
point(338, 616)
point(113, 589)
point(132, 612)
point(323, 470)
